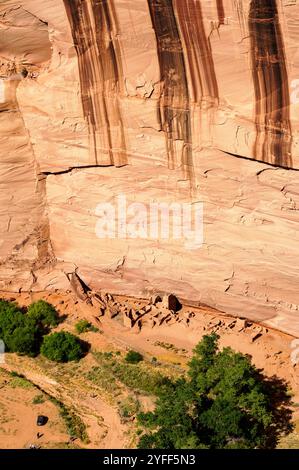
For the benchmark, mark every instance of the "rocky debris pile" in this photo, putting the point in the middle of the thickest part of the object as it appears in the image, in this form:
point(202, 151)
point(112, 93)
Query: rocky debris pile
point(158, 310)
point(237, 325)
point(154, 312)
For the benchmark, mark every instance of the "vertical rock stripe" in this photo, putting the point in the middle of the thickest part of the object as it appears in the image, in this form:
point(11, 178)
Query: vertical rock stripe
point(93, 24)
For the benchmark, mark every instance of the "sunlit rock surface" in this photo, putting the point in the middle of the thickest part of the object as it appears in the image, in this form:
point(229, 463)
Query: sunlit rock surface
point(159, 101)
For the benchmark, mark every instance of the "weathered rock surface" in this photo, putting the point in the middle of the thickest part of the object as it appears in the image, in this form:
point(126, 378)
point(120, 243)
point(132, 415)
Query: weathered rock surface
point(160, 99)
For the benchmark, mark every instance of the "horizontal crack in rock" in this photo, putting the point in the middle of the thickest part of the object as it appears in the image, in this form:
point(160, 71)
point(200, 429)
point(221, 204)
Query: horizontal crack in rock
point(69, 170)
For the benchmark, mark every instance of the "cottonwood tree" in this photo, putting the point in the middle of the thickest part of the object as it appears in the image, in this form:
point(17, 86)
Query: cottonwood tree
point(224, 402)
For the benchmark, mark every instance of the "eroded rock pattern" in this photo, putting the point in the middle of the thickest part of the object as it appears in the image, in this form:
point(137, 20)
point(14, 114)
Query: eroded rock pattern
point(94, 28)
point(174, 102)
point(270, 77)
point(198, 50)
point(157, 100)
point(220, 11)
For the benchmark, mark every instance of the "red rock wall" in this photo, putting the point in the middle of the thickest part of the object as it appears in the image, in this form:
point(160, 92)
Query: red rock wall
point(174, 101)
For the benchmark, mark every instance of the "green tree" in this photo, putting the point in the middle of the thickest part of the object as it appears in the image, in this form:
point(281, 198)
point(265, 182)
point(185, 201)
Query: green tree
point(43, 314)
point(18, 334)
point(23, 333)
point(62, 347)
point(24, 340)
point(224, 402)
point(11, 318)
point(133, 357)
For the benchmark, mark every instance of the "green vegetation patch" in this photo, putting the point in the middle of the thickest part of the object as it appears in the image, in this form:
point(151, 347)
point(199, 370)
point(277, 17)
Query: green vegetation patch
point(74, 424)
point(223, 403)
point(133, 357)
point(117, 371)
point(83, 326)
point(62, 347)
point(38, 399)
point(128, 407)
point(22, 332)
point(19, 381)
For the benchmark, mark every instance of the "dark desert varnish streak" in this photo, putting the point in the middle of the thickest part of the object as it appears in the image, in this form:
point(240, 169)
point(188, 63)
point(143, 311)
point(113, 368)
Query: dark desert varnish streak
point(220, 11)
point(92, 23)
point(198, 51)
point(270, 78)
point(174, 103)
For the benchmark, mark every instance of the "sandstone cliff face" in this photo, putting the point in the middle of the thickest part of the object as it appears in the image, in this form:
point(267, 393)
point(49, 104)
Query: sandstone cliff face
point(158, 100)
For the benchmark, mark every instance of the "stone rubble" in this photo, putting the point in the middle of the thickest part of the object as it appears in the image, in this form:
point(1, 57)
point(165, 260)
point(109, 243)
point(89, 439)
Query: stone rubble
point(152, 314)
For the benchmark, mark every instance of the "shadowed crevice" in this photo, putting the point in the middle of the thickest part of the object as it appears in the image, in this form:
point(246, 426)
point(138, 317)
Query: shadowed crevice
point(272, 99)
point(93, 26)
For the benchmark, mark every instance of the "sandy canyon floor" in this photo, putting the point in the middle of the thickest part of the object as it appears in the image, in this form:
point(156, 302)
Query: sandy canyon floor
point(96, 400)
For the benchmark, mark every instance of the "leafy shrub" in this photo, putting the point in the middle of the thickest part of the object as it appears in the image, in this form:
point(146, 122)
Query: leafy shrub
point(62, 347)
point(38, 399)
point(133, 357)
point(20, 381)
point(74, 424)
point(24, 341)
point(42, 313)
point(13, 373)
point(23, 333)
point(11, 318)
point(82, 326)
point(128, 407)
